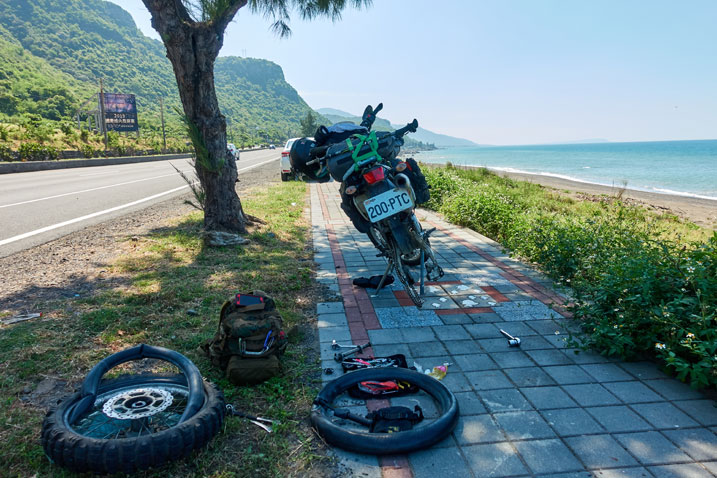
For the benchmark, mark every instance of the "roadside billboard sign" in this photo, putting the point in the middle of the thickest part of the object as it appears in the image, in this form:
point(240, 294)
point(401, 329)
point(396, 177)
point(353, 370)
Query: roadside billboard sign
point(120, 112)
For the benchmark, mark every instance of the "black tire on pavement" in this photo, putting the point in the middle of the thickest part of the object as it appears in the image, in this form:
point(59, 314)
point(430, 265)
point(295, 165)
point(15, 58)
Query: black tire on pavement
point(73, 446)
point(386, 443)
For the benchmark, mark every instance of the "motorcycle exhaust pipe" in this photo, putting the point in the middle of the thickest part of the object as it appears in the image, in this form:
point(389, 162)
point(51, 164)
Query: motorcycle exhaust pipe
point(402, 181)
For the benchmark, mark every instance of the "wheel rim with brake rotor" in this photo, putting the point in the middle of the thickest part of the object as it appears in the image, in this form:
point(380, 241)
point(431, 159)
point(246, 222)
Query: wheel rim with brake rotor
point(132, 412)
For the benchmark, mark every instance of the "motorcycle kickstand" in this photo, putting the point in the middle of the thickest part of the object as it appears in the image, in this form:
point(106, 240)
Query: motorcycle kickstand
point(383, 279)
point(423, 271)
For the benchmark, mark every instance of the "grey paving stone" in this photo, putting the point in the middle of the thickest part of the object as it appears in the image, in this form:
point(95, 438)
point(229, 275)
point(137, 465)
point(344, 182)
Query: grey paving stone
point(547, 327)
point(493, 345)
point(671, 389)
point(704, 411)
point(385, 336)
point(607, 372)
point(460, 347)
point(427, 349)
point(438, 462)
point(636, 472)
point(632, 392)
point(664, 415)
point(504, 400)
point(568, 374)
point(379, 302)
point(451, 332)
point(456, 381)
point(548, 456)
point(699, 443)
point(477, 429)
point(340, 334)
point(422, 399)
point(475, 362)
point(712, 466)
point(591, 395)
point(488, 380)
point(456, 319)
point(418, 334)
point(600, 451)
point(546, 398)
point(329, 307)
point(483, 331)
point(355, 464)
point(469, 403)
point(332, 320)
point(548, 357)
point(643, 370)
point(512, 358)
point(494, 460)
point(572, 421)
point(651, 448)
point(392, 349)
point(529, 377)
point(485, 318)
point(583, 357)
point(618, 419)
point(685, 470)
point(403, 317)
point(523, 425)
point(558, 341)
point(536, 342)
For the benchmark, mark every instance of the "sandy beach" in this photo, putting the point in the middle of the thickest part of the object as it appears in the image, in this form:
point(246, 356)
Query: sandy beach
point(702, 212)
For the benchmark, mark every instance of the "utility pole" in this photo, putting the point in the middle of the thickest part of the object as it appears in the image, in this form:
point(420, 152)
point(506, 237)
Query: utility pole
point(161, 114)
point(102, 111)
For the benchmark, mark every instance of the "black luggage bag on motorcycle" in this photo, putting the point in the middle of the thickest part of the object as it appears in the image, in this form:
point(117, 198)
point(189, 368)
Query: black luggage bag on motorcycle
point(301, 154)
point(339, 156)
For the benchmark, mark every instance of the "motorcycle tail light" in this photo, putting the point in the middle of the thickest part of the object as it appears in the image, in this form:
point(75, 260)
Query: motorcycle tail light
point(375, 175)
point(351, 190)
point(401, 167)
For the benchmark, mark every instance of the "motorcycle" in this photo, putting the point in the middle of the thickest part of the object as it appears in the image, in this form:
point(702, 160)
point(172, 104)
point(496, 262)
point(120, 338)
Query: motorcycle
point(379, 197)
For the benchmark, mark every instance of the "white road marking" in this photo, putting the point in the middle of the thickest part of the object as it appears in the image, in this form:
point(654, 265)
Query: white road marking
point(91, 189)
point(106, 211)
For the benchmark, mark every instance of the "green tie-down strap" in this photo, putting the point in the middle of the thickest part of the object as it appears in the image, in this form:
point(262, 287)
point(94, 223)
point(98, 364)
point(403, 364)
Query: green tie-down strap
point(369, 139)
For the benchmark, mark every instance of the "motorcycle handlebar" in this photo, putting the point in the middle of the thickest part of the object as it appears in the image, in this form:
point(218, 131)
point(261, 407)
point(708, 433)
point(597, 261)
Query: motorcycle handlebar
point(410, 127)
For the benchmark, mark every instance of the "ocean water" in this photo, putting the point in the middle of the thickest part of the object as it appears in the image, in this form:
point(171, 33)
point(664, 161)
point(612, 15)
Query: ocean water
point(686, 168)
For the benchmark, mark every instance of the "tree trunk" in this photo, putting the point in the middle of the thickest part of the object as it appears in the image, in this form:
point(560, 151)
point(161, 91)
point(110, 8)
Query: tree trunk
point(192, 48)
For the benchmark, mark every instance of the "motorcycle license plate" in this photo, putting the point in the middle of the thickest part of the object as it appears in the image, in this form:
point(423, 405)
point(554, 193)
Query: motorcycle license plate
point(387, 204)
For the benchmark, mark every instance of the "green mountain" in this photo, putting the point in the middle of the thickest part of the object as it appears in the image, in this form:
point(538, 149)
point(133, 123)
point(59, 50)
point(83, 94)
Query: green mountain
point(422, 135)
point(53, 54)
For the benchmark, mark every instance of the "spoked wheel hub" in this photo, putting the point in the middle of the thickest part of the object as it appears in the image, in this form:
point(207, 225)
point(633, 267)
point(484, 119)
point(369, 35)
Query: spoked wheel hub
point(139, 403)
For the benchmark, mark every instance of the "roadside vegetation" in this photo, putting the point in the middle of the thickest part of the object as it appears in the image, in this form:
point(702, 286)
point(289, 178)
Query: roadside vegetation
point(644, 284)
point(173, 288)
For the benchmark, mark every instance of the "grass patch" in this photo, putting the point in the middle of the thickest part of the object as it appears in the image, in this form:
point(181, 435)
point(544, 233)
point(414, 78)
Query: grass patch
point(645, 284)
point(171, 272)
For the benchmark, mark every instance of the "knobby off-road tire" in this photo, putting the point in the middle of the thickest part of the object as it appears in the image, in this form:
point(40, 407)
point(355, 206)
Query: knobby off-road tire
point(386, 443)
point(71, 446)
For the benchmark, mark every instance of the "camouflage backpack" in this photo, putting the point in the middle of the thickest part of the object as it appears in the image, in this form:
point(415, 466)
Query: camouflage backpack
point(249, 340)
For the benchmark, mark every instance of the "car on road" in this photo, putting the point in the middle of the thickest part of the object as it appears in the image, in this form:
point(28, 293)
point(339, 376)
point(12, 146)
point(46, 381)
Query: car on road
point(233, 149)
point(286, 172)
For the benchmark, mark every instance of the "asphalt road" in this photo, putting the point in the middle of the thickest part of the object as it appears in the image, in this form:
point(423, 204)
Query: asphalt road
point(40, 206)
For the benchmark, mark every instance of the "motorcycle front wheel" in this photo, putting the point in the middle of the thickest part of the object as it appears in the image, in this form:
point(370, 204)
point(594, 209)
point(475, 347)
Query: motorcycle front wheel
point(133, 424)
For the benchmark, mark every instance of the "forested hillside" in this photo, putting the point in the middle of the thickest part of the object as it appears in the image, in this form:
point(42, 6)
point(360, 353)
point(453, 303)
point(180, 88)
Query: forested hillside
point(53, 54)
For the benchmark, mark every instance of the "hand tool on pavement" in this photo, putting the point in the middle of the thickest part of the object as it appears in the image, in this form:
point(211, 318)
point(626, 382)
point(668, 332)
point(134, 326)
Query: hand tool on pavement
point(339, 357)
point(335, 345)
point(512, 341)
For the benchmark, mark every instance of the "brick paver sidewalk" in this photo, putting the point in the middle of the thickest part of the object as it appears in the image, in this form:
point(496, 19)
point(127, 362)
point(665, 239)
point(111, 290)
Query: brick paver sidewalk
point(538, 410)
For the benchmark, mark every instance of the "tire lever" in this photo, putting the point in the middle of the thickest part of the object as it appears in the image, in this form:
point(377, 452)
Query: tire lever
point(264, 423)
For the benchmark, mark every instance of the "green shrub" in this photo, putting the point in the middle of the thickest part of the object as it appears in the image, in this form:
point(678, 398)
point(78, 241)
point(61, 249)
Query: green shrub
point(7, 154)
point(37, 152)
point(638, 294)
point(87, 150)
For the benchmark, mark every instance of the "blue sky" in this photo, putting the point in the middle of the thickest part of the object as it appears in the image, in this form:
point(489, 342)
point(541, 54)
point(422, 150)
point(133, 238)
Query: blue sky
point(504, 71)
